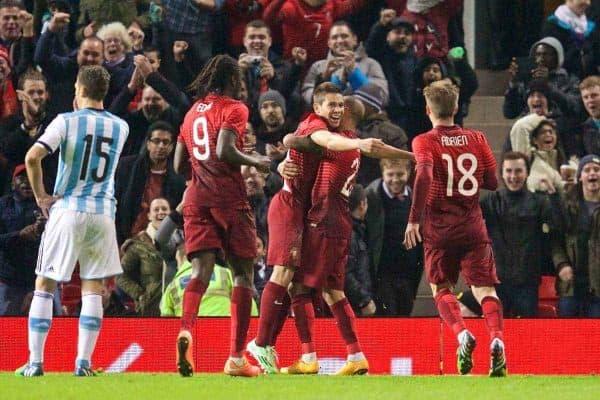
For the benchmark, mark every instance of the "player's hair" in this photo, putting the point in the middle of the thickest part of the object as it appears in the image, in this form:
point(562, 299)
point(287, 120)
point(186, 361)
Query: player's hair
point(216, 75)
point(341, 22)
point(386, 163)
point(116, 29)
point(95, 80)
point(152, 49)
point(323, 90)
point(442, 98)
point(11, 4)
point(257, 24)
point(515, 155)
point(354, 108)
point(31, 75)
point(160, 126)
point(357, 195)
point(589, 82)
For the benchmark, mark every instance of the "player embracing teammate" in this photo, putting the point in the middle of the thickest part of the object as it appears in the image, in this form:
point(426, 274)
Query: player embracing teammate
point(310, 228)
point(453, 164)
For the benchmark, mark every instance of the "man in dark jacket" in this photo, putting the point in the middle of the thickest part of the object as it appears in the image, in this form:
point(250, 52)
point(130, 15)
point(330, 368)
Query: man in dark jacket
point(391, 44)
point(141, 178)
point(376, 124)
point(358, 287)
point(21, 226)
point(519, 224)
point(395, 271)
point(590, 93)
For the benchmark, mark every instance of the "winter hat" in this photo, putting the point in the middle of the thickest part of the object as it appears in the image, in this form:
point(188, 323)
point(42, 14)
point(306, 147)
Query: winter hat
point(370, 94)
point(590, 158)
point(555, 44)
point(272, 95)
point(402, 22)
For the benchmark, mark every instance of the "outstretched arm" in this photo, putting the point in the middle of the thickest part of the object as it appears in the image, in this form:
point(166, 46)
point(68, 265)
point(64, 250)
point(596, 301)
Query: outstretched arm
point(228, 152)
point(333, 142)
point(388, 151)
point(302, 144)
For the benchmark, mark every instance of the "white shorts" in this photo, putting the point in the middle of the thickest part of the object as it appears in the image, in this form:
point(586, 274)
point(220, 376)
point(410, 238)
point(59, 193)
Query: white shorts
point(72, 236)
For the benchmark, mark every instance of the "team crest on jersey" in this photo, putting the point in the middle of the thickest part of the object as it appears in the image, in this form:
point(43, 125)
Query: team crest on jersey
point(202, 107)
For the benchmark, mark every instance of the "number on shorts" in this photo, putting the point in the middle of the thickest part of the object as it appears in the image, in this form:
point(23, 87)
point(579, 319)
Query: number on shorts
point(201, 149)
point(467, 174)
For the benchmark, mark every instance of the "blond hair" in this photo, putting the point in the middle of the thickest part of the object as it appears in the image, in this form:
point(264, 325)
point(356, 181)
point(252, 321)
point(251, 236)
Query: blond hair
point(386, 163)
point(442, 98)
point(589, 82)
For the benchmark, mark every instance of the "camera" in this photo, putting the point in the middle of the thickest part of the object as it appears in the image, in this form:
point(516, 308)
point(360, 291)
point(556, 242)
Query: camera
point(255, 60)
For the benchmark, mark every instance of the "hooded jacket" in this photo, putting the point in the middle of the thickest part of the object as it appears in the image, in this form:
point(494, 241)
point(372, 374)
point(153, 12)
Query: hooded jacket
point(563, 87)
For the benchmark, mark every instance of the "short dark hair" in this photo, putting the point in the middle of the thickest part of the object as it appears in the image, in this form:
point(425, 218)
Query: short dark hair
point(11, 3)
point(357, 195)
point(160, 126)
point(95, 79)
point(31, 75)
point(152, 49)
point(341, 22)
point(324, 89)
point(515, 155)
point(257, 24)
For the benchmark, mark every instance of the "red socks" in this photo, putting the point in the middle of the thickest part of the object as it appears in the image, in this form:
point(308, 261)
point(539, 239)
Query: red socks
point(304, 317)
point(281, 318)
point(344, 316)
point(191, 302)
point(492, 311)
point(449, 310)
point(241, 307)
point(271, 304)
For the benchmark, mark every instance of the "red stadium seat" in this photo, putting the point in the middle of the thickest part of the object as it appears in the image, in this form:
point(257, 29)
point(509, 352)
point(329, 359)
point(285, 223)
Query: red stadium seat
point(547, 298)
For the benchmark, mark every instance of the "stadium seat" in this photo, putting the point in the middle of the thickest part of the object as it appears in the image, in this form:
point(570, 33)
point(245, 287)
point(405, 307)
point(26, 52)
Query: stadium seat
point(547, 298)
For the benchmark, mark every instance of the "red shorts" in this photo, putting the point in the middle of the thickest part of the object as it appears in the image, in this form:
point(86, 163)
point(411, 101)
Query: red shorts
point(324, 260)
point(286, 225)
point(231, 230)
point(475, 263)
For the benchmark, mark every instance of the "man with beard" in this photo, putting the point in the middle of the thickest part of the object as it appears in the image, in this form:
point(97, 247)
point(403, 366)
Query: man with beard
point(144, 177)
point(274, 125)
point(391, 44)
point(16, 34)
point(347, 65)
point(20, 130)
point(255, 191)
point(153, 107)
point(21, 225)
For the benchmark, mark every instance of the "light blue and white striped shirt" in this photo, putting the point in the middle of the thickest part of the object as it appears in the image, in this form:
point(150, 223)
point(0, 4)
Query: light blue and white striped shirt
point(90, 143)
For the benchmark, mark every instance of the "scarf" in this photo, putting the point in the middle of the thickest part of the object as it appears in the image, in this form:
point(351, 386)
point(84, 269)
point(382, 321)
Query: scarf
point(578, 23)
point(151, 231)
point(8, 100)
point(421, 6)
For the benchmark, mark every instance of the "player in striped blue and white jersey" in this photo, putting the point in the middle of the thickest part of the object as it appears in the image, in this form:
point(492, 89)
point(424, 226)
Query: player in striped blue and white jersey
point(81, 212)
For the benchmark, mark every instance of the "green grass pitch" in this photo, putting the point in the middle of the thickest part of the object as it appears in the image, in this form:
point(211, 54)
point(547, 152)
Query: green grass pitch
point(132, 386)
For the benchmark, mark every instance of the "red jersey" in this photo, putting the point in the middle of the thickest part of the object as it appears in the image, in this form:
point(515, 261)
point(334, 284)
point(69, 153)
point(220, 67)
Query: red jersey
point(215, 183)
point(300, 187)
point(332, 187)
point(462, 161)
point(306, 26)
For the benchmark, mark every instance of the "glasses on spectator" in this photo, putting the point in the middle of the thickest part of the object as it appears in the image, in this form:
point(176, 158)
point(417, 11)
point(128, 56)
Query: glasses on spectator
point(158, 141)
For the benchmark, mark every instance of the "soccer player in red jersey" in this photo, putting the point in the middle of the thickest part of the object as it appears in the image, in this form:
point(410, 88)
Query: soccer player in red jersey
point(288, 209)
point(327, 243)
point(453, 164)
point(217, 215)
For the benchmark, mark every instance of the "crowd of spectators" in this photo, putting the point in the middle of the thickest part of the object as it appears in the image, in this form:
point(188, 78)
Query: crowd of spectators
point(546, 219)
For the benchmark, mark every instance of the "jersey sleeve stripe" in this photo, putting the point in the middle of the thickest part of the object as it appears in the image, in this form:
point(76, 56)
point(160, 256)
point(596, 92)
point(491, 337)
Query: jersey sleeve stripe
point(45, 145)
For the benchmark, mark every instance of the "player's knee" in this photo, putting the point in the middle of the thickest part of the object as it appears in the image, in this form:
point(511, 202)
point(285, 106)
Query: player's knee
point(332, 296)
point(282, 275)
point(482, 292)
point(297, 289)
point(45, 284)
point(437, 288)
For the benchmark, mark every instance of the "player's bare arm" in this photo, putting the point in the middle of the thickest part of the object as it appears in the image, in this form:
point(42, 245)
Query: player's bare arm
point(302, 144)
point(423, 181)
point(387, 151)
point(33, 162)
point(228, 152)
point(180, 158)
point(333, 142)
